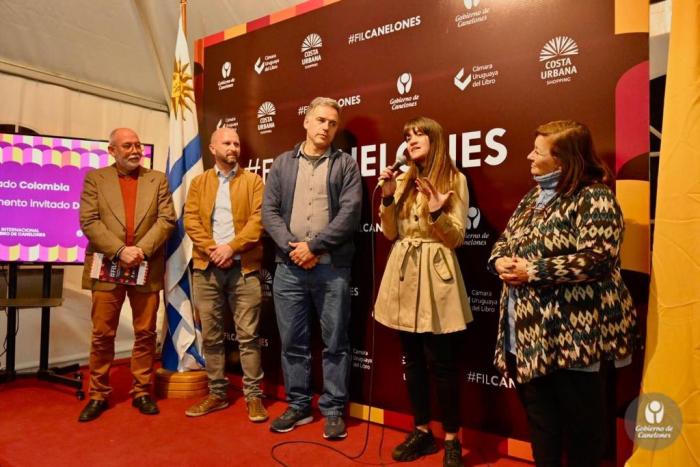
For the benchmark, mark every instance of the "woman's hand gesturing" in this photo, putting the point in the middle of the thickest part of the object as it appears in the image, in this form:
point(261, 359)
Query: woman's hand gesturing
point(436, 200)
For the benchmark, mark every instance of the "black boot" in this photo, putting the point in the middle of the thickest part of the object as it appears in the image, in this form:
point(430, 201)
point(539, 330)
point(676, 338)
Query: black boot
point(418, 443)
point(146, 405)
point(92, 410)
point(453, 454)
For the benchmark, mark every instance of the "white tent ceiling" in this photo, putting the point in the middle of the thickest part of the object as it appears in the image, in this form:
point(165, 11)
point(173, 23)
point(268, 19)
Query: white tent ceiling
point(121, 49)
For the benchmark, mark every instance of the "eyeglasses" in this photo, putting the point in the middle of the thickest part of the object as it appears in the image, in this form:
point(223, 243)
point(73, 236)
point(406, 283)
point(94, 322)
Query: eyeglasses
point(130, 146)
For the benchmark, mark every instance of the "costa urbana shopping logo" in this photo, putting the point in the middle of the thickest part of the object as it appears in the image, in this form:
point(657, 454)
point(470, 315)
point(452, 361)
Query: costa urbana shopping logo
point(266, 283)
point(265, 113)
point(311, 54)
point(404, 83)
point(557, 57)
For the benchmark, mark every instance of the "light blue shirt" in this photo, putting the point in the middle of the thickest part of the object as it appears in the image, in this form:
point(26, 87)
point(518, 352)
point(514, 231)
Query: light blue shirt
point(222, 226)
point(548, 189)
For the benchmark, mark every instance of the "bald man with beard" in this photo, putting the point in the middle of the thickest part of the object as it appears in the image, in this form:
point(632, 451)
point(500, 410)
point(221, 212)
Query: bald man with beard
point(223, 219)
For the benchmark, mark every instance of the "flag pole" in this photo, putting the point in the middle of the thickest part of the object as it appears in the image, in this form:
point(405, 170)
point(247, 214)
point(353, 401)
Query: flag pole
point(182, 344)
point(183, 13)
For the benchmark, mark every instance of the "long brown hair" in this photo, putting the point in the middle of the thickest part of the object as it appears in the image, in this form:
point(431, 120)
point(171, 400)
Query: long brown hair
point(572, 145)
point(438, 167)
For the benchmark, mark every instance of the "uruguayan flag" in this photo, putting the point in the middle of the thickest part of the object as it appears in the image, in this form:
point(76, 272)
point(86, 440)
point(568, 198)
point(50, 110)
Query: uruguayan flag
point(182, 346)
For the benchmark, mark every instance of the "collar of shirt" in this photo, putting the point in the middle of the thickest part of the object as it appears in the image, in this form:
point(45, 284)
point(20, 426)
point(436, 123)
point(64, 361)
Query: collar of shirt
point(313, 158)
point(226, 176)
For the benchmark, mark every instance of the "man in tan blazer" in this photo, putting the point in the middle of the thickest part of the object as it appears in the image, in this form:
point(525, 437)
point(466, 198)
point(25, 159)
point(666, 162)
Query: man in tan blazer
point(222, 217)
point(126, 213)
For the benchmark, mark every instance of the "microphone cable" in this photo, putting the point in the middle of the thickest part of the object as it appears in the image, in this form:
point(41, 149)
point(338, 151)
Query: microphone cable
point(354, 457)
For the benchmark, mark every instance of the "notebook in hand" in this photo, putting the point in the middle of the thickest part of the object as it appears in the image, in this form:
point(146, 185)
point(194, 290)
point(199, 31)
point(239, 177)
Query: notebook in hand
point(106, 270)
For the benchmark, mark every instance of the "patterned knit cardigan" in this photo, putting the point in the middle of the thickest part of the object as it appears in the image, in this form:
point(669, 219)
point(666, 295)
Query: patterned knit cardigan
point(574, 309)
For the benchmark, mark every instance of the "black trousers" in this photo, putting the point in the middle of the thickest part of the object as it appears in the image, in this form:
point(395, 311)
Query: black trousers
point(437, 352)
point(565, 410)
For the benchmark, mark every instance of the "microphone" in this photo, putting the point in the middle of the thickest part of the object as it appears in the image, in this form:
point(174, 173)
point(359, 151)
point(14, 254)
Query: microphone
point(400, 160)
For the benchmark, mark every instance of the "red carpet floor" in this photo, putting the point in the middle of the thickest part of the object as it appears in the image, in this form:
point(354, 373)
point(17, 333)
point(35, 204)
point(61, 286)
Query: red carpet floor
point(39, 427)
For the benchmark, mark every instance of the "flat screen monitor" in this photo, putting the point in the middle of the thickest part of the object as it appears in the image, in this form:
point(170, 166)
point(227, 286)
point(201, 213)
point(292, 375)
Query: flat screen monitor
point(41, 178)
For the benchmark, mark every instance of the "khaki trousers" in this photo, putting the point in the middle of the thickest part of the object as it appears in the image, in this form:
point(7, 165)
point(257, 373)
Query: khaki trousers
point(106, 307)
point(218, 291)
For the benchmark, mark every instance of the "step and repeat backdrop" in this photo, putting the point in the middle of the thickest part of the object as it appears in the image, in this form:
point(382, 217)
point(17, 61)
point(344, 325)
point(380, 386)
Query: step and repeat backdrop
point(490, 71)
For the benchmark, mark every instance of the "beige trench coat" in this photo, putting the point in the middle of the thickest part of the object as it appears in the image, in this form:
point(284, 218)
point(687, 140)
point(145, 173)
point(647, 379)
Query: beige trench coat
point(422, 289)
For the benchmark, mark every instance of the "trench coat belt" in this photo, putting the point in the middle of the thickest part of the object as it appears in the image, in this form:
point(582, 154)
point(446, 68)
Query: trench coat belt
point(407, 245)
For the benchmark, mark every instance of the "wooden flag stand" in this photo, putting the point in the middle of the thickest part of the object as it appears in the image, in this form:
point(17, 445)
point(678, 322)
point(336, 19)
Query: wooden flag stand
point(181, 385)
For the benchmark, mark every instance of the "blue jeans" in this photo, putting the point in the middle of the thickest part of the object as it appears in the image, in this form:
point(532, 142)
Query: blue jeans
point(296, 293)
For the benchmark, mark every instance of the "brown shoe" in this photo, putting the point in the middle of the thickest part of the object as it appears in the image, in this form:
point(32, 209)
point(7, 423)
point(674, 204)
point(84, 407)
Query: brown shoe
point(207, 405)
point(256, 410)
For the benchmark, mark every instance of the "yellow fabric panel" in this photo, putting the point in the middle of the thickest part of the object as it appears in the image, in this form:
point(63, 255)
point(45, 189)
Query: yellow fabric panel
point(235, 31)
point(520, 449)
point(631, 16)
point(362, 412)
point(672, 359)
point(282, 15)
point(633, 196)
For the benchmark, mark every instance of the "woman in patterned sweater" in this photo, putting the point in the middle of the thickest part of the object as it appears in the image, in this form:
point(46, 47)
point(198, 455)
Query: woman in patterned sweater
point(564, 308)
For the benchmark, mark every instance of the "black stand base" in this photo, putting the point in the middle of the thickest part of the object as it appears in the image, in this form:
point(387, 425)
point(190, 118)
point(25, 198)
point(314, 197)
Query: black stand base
point(56, 375)
point(6, 376)
point(45, 302)
point(52, 375)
